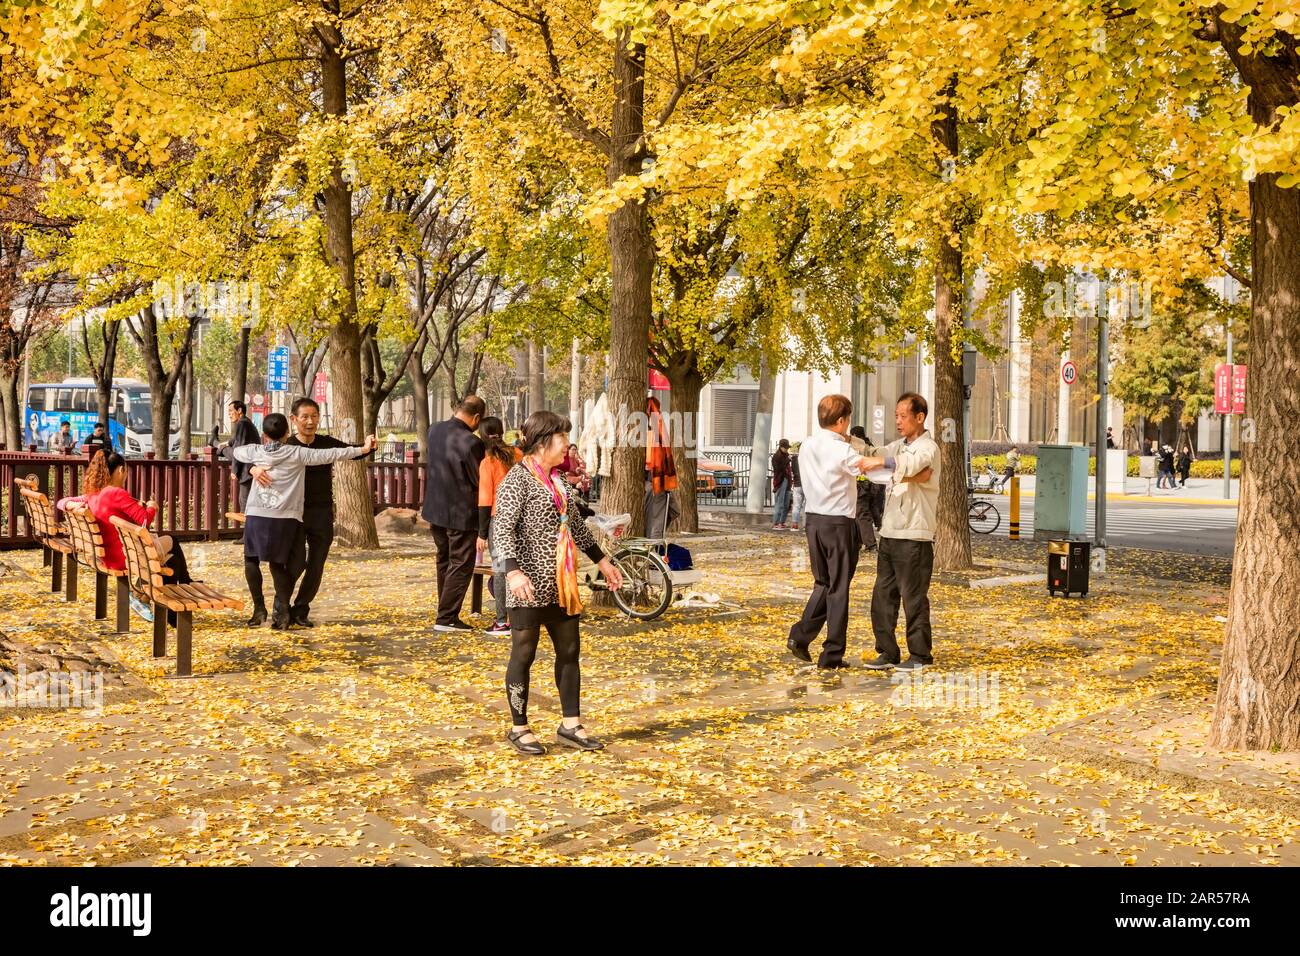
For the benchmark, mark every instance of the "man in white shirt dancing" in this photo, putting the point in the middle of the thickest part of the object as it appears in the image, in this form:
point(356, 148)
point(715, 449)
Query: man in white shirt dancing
point(828, 471)
point(906, 556)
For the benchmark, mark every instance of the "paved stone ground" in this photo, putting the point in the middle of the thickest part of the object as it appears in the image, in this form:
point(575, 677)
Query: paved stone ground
point(1050, 732)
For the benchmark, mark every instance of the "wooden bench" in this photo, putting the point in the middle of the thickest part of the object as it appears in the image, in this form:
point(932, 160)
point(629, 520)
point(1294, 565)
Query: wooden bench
point(45, 528)
point(88, 542)
point(145, 573)
point(481, 571)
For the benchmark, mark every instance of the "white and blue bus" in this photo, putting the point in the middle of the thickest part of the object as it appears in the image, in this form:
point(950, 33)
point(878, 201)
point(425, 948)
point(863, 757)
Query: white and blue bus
point(75, 400)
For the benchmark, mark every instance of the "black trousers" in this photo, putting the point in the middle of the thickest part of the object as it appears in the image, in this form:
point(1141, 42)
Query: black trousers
point(866, 527)
point(876, 503)
point(244, 488)
point(283, 577)
point(903, 570)
point(526, 625)
point(833, 546)
point(457, 551)
point(318, 535)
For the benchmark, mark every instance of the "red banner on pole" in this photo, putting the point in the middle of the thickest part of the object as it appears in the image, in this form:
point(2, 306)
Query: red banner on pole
point(320, 387)
point(658, 381)
point(1239, 389)
point(1222, 388)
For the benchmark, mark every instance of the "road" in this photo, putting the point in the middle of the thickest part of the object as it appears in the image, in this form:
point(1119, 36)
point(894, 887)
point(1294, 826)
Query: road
point(1182, 528)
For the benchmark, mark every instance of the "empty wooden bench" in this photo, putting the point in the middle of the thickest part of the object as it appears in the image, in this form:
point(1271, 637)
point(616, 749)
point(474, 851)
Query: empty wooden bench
point(54, 542)
point(145, 574)
point(88, 543)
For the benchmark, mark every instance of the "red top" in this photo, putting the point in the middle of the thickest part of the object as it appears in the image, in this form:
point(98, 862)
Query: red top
point(116, 502)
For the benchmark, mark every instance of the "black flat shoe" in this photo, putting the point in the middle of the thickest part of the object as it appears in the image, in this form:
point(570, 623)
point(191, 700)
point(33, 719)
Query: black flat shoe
point(569, 737)
point(533, 749)
point(302, 620)
point(798, 651)
point(281, 623)
point(258, 618)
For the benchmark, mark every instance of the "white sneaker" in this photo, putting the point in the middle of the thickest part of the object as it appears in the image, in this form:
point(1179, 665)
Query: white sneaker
point(141, 609)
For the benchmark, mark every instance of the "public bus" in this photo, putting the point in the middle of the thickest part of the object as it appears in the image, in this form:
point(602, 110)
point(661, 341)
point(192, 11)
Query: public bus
point(75, 400)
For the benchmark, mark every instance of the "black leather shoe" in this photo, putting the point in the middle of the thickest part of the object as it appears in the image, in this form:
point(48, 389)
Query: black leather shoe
point(281, 623)
point(532, 749)
point(302, 620)
point(569, 737)
point(258, 618)
point(798, 651)
point(881, 663)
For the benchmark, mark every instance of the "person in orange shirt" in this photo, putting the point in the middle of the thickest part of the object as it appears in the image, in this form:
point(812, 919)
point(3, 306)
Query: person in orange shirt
point(498, 459)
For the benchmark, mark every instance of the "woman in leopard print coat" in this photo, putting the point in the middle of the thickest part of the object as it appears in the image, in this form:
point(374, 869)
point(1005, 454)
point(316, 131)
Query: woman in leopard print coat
point(534, 508)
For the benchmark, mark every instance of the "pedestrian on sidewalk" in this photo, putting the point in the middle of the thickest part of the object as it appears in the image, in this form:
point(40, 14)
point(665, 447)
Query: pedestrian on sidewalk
point(1013, 464)
point(829, 468)
point(242, 432)
point(1166, 468)
point(866, 527)
point(451, 506)
point(906, 558)
point(98, 441)
point(62, 441)
point(537, 533)
point(498, 459)
point(796, 509)
point(782, 482)
point(1184, 466)
point(273, 530)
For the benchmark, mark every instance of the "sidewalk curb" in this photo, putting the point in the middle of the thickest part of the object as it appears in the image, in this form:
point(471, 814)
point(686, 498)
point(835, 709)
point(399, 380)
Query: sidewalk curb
point(1141, 499)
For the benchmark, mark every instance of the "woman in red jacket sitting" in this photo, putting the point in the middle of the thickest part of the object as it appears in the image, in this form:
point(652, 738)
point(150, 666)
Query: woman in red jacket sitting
point(106, 497)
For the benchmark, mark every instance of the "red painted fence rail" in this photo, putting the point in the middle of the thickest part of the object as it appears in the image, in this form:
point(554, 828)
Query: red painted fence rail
point(193, 494)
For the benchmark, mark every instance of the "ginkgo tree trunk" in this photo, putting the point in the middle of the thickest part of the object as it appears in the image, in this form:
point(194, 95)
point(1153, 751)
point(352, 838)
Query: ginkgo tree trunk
point(952, 534)
point(1258, 704)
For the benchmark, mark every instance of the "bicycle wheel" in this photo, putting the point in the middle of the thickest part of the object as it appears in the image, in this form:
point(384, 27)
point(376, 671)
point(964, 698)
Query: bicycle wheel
point(647, 586)
point(983, 517)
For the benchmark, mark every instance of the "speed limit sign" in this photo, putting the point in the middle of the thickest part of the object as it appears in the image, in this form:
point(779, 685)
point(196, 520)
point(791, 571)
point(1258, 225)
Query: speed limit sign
point(1069, 373)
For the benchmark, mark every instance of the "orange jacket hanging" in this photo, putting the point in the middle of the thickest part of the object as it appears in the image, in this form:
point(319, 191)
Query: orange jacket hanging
point(660, 470)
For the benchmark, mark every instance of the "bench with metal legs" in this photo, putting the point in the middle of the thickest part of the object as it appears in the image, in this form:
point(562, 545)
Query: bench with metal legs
point(145, 574)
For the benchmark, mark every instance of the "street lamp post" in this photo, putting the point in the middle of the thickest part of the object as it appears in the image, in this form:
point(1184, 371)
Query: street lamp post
point(1103, 390)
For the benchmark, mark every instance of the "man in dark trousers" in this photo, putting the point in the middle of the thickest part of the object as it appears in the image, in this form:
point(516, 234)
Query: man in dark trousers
point(906, 554)
point(242, 432)
point(451, 506)
point(317, 509)
point(828, 468)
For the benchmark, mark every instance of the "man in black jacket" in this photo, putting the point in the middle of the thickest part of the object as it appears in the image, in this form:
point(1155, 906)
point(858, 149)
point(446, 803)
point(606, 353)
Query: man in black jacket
point(242, 432)
point(98, 441)
point(451, 506)
point(313, 550)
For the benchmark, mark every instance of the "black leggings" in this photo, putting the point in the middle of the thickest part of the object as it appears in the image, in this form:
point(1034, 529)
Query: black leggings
point(253, 575)
point(525, 632)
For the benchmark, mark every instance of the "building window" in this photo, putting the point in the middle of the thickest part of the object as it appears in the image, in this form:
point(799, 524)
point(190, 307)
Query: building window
point(731, 422)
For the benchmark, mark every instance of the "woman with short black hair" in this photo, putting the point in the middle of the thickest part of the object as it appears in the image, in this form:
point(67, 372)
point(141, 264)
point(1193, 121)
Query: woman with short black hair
point(536, 533)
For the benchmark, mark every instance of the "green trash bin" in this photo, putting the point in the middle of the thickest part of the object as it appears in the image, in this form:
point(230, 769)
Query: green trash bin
point(1060, 493)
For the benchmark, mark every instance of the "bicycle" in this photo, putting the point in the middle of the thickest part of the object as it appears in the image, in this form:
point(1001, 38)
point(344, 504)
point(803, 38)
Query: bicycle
point(982, 516)
point(647, 588)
